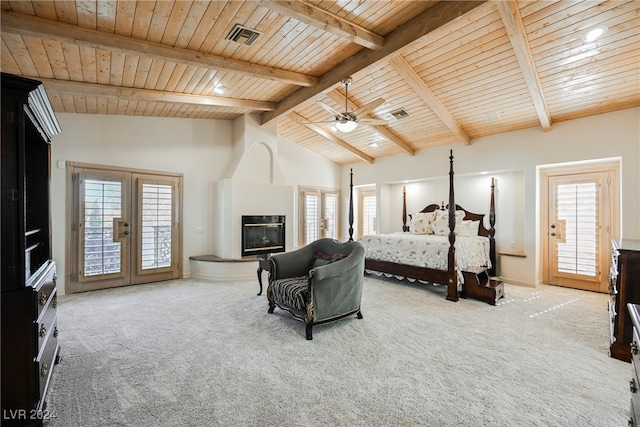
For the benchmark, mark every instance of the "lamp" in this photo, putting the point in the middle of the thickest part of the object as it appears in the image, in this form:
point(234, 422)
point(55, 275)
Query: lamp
point(346, 125)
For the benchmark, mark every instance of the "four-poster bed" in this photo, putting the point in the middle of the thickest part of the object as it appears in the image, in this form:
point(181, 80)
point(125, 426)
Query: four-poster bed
point(433, 258)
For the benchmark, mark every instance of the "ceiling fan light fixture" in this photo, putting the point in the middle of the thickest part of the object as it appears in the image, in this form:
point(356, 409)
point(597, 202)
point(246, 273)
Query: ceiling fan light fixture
point(346, 125)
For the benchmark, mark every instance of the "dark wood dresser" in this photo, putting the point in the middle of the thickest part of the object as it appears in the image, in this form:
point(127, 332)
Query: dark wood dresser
point(634, 382)
point(624, 288)
point(29, 318)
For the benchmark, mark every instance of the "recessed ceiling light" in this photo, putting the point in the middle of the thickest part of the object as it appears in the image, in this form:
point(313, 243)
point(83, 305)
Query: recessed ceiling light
point(595, 33)
point(220, 89)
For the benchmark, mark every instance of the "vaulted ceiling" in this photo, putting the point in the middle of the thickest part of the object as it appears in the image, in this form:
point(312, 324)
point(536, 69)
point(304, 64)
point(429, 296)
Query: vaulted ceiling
point(425, 73)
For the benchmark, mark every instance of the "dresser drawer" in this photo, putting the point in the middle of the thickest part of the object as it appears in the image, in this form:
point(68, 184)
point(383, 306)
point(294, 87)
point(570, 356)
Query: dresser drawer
point(44, 364)
point(45, 287)
point(46, 325)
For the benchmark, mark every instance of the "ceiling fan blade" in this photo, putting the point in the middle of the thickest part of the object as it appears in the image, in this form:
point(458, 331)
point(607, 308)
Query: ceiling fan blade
point(373, 122)
point(319, 122)
point(367, 108)
point(330, 109)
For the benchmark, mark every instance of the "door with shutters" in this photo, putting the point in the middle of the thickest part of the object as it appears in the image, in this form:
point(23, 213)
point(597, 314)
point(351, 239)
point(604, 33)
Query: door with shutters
point(318, 215)
point(578, 229)
point(367, 212)
point(124, 228)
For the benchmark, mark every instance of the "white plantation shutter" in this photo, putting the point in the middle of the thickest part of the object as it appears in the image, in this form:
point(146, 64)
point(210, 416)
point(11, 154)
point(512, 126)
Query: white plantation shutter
point(331, 216)
point(102, 203)
point(312, 220)
point(576, 205)
point(368, 214)
point(156, 214)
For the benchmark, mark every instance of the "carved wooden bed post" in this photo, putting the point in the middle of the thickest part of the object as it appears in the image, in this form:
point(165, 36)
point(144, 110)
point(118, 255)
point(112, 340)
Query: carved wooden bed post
point(405, 227)
point(452, 285)
point(492, 230)
point(351, 207)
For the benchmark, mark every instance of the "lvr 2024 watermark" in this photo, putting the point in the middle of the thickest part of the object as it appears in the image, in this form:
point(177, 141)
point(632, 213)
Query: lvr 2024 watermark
point(27, 414)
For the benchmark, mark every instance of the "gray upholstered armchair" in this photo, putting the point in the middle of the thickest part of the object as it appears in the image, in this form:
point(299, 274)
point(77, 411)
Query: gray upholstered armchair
point(318, 283)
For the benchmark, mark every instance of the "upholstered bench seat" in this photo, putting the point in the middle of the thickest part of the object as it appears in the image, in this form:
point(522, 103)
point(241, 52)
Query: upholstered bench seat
point(291, 291)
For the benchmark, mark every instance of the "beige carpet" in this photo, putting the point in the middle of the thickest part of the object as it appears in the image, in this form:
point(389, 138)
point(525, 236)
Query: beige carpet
point(189, 353)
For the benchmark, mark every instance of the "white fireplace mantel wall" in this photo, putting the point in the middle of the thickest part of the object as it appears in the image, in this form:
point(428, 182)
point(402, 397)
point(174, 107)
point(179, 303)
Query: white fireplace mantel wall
point(253, 184)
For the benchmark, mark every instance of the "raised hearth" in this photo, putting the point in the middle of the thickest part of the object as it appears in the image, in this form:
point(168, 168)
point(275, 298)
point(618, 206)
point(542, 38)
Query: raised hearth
point(212, 267)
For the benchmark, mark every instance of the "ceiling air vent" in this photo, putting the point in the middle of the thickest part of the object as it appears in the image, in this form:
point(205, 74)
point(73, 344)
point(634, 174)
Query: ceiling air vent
point(400, 114)
point(242, 35)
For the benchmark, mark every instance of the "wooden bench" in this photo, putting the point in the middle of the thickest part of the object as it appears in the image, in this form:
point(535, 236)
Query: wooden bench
point(478, 285)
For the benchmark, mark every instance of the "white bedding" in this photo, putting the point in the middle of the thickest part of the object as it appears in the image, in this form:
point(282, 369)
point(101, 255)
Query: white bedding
point(427, 250)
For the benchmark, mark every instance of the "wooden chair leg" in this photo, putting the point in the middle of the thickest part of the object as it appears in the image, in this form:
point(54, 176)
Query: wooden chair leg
point(272, 306)
point(308, 331)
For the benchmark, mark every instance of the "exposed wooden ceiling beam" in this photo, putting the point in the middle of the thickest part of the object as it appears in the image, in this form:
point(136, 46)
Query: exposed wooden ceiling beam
point(422, 90)
point(331, 137)
point(433, 18)
point(313, 15)
point(510, 14)
point(33, 26)
point(91, 89)
point(336, 96)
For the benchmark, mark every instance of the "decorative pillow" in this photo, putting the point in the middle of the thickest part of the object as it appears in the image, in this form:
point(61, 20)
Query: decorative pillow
point(440, 226)
point(322, 258)
point(421, 222)
point(467, 228)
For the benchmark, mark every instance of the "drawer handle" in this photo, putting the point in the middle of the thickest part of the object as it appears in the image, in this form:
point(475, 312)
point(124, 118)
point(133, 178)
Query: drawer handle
point(43, 331)
point(55, 332)
point(633, 386)
point(55, 301)
point(55, 278)
point(44, 370)
point(634, 348)
point(43, 298)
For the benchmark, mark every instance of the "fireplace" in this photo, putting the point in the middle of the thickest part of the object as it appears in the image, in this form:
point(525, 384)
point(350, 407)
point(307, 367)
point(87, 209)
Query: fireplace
point(262, 234)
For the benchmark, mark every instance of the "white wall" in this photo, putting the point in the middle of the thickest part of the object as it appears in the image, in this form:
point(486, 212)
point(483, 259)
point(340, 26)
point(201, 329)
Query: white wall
point(200, 149)
point(613, 135)
point(203, 149)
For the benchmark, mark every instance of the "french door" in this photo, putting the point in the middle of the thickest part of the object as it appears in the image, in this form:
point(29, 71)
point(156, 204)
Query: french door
point(125, 228)
point(319, 215)
point(578, 230)
point(367, 212)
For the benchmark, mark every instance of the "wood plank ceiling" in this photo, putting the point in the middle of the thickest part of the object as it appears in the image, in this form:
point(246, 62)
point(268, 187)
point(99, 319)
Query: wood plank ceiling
point(457, 70)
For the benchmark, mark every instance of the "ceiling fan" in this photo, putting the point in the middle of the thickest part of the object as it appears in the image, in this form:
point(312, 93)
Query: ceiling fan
point(348, 120)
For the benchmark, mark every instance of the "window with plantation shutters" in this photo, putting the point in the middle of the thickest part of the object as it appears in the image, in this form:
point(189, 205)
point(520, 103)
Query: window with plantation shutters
point(319, 215)
point(577, 210)
point(102, 204)
point(156, 214)
point(368, 212)
point(330, 220)
point(311, 217)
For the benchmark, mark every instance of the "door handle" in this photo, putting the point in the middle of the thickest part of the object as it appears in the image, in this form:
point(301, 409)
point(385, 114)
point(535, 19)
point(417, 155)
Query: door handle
point(119, 234)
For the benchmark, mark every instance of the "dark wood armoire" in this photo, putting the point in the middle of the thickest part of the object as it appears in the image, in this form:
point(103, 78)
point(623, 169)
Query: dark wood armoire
point(29, 319)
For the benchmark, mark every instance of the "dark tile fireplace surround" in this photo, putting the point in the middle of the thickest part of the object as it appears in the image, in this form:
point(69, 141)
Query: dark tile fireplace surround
point(262, 234)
